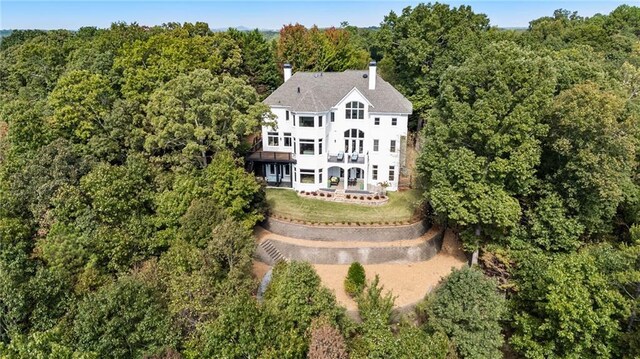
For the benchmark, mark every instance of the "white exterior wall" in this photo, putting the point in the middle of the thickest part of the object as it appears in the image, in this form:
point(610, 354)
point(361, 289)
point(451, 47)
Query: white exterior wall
point(332, 134)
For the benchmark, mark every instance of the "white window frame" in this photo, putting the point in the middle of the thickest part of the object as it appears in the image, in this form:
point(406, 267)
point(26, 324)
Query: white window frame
point(307, 141)
point(273, 139)
point(307, 173)
point(354, 108)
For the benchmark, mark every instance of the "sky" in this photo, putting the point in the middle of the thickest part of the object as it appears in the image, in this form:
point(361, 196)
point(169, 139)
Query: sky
point(264, 14)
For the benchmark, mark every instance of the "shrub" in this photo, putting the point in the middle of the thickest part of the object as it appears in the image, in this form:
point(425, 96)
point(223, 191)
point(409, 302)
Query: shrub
point(362, 198)
point(328, 195)
point(326, 341)
point(321, 194)
point(348, 196)
point(369, 198)
point(376, 197)
point(355, 280)
point(476, 332)
point(315, 193)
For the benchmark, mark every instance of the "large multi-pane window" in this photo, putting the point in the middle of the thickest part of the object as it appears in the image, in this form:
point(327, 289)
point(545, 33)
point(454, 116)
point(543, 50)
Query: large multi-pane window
point(353, 141)
point(354, 111)
point(305, 121)
point(392, 147)
point(374, 172)
point(307, 147)
point(307, 176)
point(392, 173)
point(272, 138)
point(376, 145)
point(287, 139)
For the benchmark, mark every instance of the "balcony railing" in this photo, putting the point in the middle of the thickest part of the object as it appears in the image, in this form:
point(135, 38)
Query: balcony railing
point(346, 158)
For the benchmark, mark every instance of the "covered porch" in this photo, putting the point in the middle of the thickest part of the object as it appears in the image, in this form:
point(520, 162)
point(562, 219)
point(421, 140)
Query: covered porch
point(275, 168)
point(350, 179)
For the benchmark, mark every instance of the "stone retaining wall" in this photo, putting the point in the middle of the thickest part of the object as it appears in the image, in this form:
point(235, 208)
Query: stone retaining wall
point(421, 251)
point(346, 233)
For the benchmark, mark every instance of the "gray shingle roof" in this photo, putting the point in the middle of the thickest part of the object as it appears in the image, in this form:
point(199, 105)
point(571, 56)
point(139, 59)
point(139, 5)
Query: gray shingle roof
point(321, 91)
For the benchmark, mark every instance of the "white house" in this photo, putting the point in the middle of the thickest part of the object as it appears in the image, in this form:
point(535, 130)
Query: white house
point(348, 127)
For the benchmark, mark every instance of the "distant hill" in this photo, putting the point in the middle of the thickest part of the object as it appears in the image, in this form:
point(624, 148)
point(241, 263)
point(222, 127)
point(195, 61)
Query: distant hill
point(4, 33)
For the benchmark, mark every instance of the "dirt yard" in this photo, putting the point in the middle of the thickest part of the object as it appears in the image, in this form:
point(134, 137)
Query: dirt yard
point(409, 282)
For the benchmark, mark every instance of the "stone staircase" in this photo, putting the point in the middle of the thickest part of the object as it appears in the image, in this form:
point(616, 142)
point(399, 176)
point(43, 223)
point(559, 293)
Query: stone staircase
point(272, 251)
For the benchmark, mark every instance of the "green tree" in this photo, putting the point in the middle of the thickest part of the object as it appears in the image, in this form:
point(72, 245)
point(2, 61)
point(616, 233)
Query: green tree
point(35, 64)
point(235, 190)
point(199, 278)
point(293, 299)
point(148, 64)
point(125, 319)
point(422, 42)
point(258, 61)
point(590, 153)
point(481, 143)
point(40, 345)
point(467, 307)
point(565, 307)
point(15, 270)
point(237, 332)
point(80, 102)
point(376, 310)
point(549, 226)
point(197, 114)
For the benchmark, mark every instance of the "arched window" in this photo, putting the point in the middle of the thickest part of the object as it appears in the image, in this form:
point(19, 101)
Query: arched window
point(353, 141)
point(354, 111)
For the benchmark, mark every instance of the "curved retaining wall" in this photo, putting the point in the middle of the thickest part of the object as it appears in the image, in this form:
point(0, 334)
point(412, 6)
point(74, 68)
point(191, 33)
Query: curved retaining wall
point(350, 233)
point(365, 255)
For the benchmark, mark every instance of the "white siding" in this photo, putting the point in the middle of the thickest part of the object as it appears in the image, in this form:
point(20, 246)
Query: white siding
point(332, 135)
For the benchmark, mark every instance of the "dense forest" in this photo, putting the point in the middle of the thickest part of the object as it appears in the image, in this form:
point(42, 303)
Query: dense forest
point(126, 214)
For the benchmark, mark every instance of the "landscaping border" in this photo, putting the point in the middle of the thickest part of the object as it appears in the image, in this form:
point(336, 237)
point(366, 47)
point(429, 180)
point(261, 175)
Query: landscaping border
point(346, 233)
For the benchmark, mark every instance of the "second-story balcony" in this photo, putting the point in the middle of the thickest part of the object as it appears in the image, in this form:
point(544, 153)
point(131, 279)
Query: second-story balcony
point(342, 157)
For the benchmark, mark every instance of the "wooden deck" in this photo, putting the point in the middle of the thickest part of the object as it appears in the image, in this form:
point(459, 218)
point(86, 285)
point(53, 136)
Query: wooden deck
point(269, 156)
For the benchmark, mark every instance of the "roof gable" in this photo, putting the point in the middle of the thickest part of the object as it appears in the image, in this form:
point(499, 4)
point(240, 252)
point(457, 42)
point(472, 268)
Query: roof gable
point(355, 89)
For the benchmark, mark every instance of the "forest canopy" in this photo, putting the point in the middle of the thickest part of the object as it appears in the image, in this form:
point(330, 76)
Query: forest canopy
point(126, 213)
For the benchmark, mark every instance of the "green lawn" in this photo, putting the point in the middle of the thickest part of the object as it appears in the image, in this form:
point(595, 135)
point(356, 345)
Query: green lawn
point(287, 203)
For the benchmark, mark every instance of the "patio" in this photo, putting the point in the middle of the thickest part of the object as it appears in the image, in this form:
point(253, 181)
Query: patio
point(353, 184)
